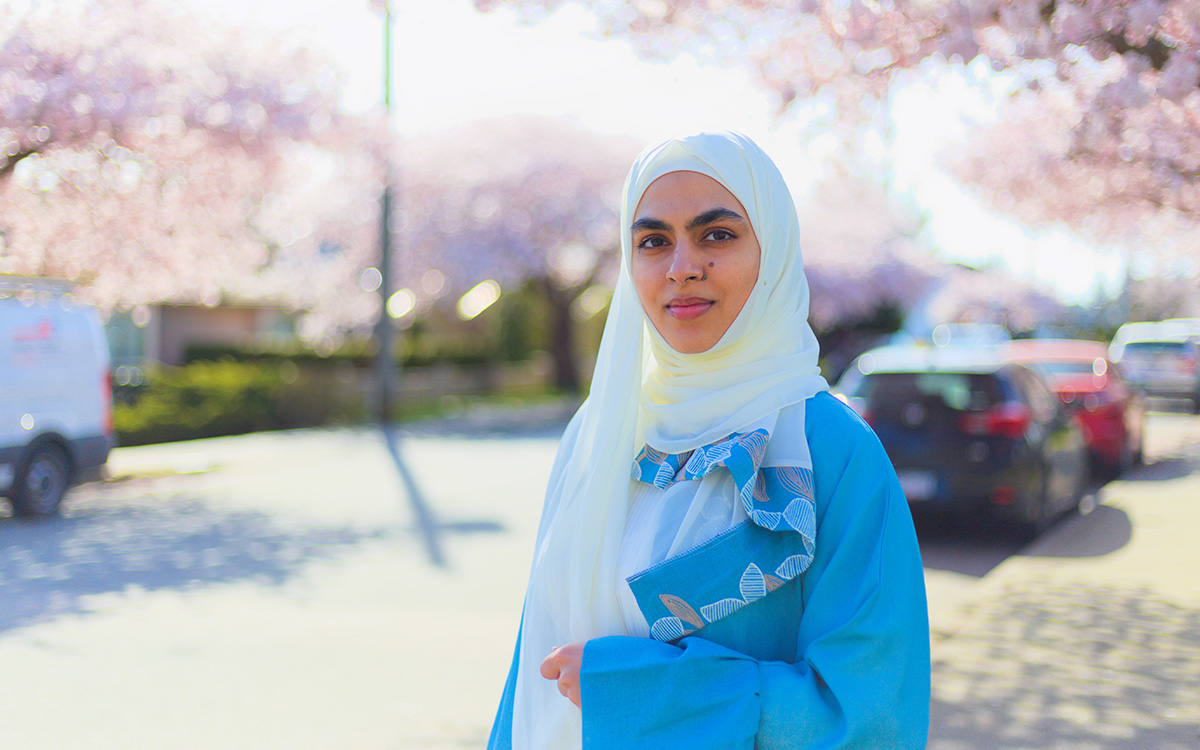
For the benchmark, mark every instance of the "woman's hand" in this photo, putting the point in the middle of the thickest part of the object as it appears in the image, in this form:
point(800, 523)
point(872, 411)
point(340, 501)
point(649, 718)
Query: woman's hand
point(563, 665)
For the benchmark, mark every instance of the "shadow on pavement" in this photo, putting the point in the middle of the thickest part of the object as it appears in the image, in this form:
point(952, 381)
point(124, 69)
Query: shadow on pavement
point(1102, 531)
point(489, 422)
point(1161, 470)
point(1086, 666)
point(49, 566)
point(967, 545)
point(1171, 405)
point(974, 546)
point(426, 523)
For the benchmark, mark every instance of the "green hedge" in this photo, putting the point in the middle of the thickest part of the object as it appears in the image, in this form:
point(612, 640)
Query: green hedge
point(209, 399)
point(414, 354)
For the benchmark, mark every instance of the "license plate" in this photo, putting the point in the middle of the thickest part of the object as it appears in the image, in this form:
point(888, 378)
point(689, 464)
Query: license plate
point(918, 485)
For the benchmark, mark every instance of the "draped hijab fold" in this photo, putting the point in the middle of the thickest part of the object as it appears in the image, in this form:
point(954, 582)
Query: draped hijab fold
point(643, 392)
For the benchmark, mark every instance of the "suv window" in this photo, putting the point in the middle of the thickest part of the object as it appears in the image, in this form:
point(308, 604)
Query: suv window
point(1155, 348)
point(1066, 366)
point(958, 391)
point(1038, 396)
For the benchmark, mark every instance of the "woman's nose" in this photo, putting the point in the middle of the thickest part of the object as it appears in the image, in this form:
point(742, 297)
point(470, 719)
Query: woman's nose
point(685, 265)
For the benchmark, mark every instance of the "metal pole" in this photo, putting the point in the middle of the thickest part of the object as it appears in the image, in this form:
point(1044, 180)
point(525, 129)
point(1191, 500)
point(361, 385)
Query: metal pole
point(384, 332)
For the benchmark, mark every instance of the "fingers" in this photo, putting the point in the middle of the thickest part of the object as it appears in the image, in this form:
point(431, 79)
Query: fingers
point(562, 666)
point(550, 668)
point(570, 693)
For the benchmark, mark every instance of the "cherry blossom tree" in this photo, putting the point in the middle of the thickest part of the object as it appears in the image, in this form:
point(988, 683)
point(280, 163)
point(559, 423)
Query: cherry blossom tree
point(1105, 132)
point(516, 200)
point(530, 200)
point(151, 156)
point(1129, 177)
point(989, 295)
point(863, 250)
point(871, 269)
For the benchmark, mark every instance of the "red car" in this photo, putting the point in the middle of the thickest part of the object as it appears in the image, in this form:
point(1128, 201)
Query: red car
point(1111, 413)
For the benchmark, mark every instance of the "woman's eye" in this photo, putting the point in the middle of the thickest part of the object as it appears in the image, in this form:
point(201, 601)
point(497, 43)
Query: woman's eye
point(652, 241)
point(719, 235)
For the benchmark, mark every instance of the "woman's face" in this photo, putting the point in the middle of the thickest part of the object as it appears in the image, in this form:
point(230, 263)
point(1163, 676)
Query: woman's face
point(695, 259)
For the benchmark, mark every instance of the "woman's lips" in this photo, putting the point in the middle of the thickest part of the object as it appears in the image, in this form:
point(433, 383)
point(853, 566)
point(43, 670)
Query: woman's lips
point(687, 308)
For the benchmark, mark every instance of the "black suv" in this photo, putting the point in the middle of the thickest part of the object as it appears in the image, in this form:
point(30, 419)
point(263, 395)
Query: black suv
point(967, 430)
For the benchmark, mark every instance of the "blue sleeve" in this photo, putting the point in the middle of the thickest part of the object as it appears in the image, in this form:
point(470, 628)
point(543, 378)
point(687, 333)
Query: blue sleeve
point(861, 676)
point(501, 735)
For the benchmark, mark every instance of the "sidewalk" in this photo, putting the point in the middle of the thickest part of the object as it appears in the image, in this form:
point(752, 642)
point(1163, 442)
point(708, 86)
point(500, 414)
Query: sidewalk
point(1090, 638)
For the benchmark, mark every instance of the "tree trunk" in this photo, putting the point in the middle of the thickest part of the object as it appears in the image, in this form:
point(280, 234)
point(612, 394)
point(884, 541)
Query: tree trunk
point(562, 337)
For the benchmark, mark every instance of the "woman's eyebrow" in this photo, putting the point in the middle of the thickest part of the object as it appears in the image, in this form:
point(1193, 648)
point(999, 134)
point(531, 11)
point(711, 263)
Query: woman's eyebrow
point(648, 224)
point(708, 217)
point(716, 214)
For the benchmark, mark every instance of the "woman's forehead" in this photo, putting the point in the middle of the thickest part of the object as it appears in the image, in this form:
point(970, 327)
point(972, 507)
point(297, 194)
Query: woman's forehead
point(686, 188)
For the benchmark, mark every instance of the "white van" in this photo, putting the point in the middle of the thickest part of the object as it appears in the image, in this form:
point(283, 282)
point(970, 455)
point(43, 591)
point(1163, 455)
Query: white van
point(55, 394)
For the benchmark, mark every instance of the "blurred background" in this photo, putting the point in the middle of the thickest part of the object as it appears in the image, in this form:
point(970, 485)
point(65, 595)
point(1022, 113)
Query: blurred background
point(211, 175)
point(343, 213)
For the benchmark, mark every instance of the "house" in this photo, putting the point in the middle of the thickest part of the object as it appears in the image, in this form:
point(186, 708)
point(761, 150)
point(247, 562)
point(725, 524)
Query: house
point(162, 333)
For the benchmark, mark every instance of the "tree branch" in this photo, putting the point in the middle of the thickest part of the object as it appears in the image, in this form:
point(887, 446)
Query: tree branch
point(1153, 50)
point(11, 162)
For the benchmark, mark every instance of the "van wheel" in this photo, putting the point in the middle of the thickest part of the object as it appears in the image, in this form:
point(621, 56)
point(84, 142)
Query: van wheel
point(42, 482)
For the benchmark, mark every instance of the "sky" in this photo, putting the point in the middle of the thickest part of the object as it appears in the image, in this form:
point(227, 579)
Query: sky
point(453, 64)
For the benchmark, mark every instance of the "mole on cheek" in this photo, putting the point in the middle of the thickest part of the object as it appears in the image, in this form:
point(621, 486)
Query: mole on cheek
point(711, 264)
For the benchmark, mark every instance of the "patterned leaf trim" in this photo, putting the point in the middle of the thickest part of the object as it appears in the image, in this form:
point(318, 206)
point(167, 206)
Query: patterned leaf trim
point(665, 475)
point(802, 517)
point(755, 443)
point(795, 480)
point(668, 629)
point(777, 498)
point(760, 489)
point(655, 457)
point(723, 608)
point(697, 464)
point(766, 519)
point(753, 586)
point(681, 609)
point(768, 494)
point(792, 567)
point(718, 453)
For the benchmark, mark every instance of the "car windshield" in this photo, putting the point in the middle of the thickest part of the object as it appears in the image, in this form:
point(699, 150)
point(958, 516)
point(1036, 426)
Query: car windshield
point(1154, 348)
point(958, 391)
point(1067, 367)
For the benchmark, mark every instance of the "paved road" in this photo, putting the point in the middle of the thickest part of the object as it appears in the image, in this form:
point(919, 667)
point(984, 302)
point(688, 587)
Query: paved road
point(1089, 638)
point(359, 589)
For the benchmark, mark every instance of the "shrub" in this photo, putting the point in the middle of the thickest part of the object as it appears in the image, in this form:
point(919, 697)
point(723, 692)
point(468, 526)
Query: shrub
point(209, 399)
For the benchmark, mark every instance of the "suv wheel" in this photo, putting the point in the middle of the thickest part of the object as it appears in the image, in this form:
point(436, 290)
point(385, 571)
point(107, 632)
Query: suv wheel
point(1037, 514)
point(41, 483)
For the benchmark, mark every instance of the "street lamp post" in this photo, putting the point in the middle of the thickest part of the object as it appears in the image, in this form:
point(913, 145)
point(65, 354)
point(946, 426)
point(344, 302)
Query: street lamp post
point(384, 332)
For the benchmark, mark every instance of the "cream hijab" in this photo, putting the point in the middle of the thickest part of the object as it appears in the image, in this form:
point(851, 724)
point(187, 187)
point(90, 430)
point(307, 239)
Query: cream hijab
point(643, 391)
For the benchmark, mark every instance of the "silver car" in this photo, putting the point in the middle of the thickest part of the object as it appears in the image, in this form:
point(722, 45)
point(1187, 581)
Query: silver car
point(1163, 359)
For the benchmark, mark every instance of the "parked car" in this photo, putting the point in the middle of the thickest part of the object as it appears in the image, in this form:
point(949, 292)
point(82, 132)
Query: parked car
point(969, 431)
point(1161, 358)
point(957, 334)
point(1111, 412)
point(969, 334)
point(55, 394)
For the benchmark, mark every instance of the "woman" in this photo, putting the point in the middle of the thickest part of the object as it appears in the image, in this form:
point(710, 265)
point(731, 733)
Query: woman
point(757, 582)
